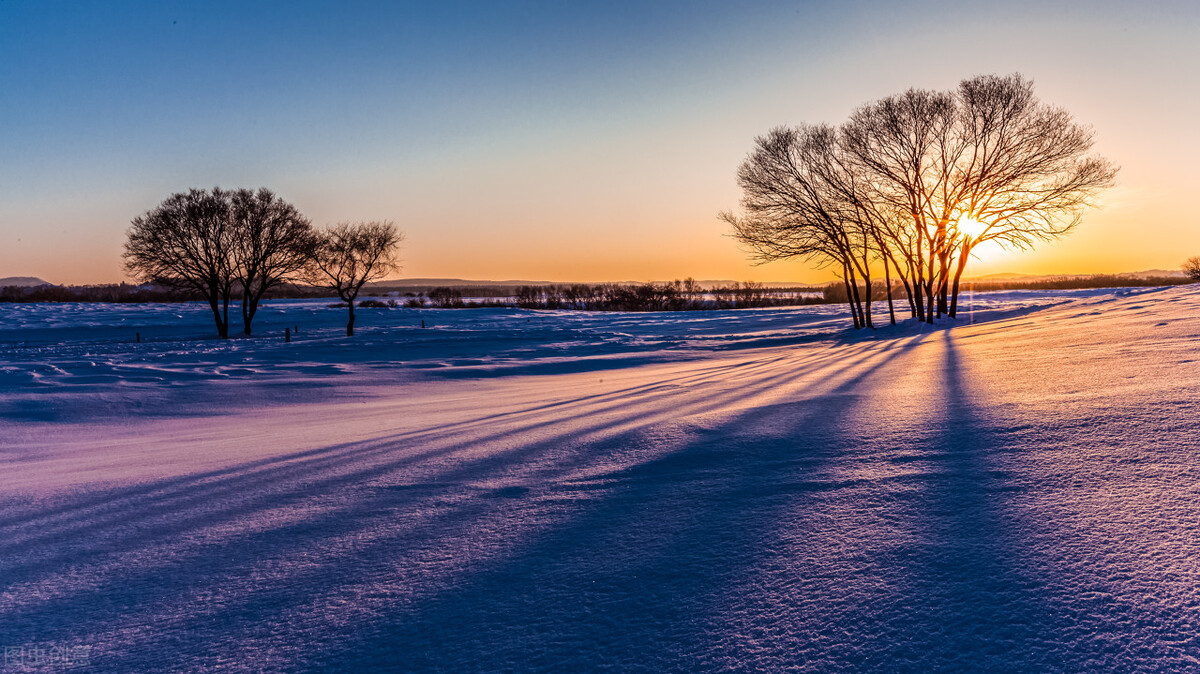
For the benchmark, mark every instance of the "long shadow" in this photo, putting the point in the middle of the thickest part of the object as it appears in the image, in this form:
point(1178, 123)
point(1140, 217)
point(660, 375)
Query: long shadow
point(273, 485)
point(169, 491)
point(162, 492)
point(95, 605)
point(970, 590)
point(138, 528)
point(628, 581)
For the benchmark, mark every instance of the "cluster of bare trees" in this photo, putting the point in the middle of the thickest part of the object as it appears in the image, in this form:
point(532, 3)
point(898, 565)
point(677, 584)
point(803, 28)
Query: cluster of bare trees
point(229, 245)
point(912, 183)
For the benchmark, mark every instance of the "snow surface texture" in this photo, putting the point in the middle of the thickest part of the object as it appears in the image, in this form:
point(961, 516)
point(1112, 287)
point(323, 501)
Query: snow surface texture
point(753, 490)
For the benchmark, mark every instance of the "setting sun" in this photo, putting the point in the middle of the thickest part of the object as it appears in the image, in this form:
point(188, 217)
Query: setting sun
point(971, 227)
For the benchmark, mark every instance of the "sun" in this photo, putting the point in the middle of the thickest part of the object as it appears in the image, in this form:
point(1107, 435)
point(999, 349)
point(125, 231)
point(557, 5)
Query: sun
point(971, 227)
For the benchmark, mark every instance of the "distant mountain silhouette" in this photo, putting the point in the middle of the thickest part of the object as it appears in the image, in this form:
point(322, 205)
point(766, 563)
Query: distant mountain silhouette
point(22, 282)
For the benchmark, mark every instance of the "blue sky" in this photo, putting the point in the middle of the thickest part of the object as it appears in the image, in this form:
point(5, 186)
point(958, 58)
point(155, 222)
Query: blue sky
point(561, 141)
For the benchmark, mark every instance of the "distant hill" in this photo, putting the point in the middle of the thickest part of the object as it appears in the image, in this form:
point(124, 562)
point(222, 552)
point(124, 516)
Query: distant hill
point(1157, 273)
point(1005, 276)
point(22, 282)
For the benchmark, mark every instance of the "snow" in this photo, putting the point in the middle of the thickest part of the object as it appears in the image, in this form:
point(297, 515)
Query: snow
point(507, 489)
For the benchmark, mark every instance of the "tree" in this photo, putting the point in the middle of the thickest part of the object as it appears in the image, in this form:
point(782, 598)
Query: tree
point(272, 243)
point(347, 256)
point(897, 184)
point(902, 146)
point(187, 241)
point(1192, 268)
point(1025, 175)
point(801, 201)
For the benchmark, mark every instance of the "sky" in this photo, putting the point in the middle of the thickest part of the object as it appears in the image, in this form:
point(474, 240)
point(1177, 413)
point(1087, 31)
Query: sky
point(557, 141)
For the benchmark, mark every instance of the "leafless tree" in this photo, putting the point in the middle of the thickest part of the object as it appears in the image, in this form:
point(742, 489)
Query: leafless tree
point(894, 185)
point(187, 241)
point(903, 145)
point(800, 201)
point(1192, 268)
point(273, 242)
point(1025, 173)
point(347, 256)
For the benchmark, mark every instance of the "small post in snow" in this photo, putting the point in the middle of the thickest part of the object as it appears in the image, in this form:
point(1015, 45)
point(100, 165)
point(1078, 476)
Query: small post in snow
point(287, 334)
point(422, 322)
point(139, 337)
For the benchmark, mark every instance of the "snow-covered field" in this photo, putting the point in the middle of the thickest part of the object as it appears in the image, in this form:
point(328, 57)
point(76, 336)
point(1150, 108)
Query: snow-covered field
point(512, 490)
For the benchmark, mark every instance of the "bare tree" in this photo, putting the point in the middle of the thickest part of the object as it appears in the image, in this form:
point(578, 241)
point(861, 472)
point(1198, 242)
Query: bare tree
point(896, 183)
point(1192, 268)
point(347, 256)
point(795, 208)
point(273, 242)
point(902, 144)
point(1025, 174)
point(187, 241)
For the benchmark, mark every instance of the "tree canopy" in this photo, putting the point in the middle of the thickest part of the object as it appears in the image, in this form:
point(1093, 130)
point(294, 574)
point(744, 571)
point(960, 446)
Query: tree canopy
point(216, 242)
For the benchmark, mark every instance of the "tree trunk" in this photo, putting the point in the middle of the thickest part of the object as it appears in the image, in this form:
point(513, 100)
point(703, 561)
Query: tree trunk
point(222, 327)
point(850, 296)
point(943, 285)
point(935, 255)
point(248, 307)
point(962, 264)
point(350, 323)
point(856, 299)
point(887, 279)
point(250, 302)
point(930, 296)
point(918, 298)
point(918, 279)
point(927, 283)
point(869, 292)
point(908, 293)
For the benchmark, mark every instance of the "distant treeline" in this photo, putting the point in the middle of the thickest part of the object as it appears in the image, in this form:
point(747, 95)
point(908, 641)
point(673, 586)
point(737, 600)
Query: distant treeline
point(111, 292)
point(672, 296)
point(130, 293)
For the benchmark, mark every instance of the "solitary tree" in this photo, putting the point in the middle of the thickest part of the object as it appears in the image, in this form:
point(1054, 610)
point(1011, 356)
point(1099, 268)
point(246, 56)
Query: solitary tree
point(347, 256)
point(187, 241)
point(273, 242)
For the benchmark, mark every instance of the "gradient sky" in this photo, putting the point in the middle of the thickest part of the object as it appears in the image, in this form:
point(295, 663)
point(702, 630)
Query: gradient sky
point(552, 140)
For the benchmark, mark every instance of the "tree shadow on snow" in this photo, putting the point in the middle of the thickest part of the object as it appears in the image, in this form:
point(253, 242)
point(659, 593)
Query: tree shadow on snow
point(756, 541)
